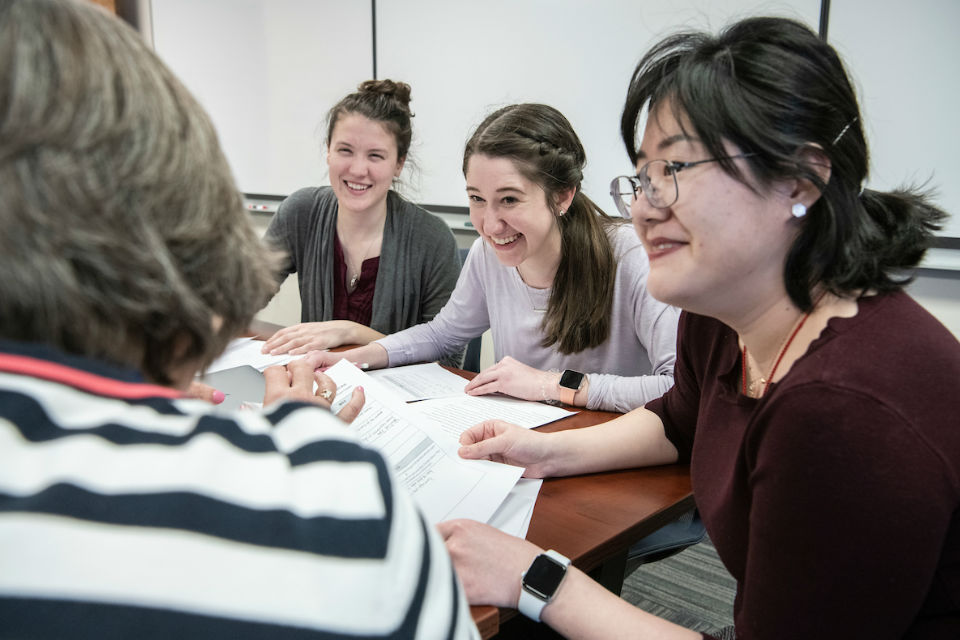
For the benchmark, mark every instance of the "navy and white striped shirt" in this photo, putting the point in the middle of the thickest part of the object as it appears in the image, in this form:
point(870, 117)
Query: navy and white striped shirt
point(126, 511)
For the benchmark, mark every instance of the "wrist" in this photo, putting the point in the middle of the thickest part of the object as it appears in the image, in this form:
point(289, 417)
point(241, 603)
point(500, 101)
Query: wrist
point(570, 384)
point(541, 582)
point(550, 387)
point(350, 334)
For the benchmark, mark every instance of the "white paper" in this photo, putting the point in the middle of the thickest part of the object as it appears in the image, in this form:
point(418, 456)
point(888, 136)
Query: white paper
point(247, 351)
point(456, 415)
point(514, 514)
point(421, 381)
point(423, 457)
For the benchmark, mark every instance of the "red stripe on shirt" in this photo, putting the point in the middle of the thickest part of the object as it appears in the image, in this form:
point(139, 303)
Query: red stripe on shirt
point(83, 380)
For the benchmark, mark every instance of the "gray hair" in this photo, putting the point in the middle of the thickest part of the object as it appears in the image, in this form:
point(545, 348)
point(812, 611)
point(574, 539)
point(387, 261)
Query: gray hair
point(124, 236)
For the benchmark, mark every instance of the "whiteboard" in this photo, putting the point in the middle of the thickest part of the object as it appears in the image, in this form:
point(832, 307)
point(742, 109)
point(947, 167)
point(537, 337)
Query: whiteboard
point(465, 59)
point(905, 62)
point(267, 72)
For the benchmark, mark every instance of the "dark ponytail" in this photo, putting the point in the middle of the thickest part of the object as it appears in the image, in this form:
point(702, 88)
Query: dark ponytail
point(774, 89)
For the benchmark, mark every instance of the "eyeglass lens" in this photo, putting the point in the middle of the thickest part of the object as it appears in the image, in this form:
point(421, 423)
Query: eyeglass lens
point(657, 180)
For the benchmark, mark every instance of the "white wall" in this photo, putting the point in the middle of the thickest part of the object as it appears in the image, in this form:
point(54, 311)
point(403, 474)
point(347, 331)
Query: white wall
point(284, 309)
point(268, 71)
point(940, 295)
point(904, 58)
point(468, 59)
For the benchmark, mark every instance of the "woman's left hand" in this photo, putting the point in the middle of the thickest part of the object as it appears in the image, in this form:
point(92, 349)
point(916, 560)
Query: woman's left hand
point(516, 379)
point(472, 545)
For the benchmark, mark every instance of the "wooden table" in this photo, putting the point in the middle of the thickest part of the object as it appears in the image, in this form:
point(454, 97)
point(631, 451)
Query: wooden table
point(592, 519)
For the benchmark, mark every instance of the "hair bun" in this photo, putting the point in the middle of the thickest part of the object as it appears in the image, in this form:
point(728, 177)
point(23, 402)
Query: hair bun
point(398, 90)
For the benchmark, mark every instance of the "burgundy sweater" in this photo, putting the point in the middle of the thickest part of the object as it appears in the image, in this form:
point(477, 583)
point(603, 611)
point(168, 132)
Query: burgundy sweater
point(834, 500)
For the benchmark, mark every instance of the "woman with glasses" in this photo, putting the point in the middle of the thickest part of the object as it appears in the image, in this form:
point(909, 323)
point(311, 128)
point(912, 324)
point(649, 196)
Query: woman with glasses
point(560, 284)
point(369, 262)
point(816, 402)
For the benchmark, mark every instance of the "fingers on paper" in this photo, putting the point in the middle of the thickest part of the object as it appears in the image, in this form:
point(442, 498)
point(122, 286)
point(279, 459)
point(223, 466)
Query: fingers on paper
point(352, 409)
point(481, 441)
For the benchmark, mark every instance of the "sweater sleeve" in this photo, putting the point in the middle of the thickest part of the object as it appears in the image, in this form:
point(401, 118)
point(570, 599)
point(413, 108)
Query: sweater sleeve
point(654, 325)
point(441, 268)
point(408, 581)
point(284, 231)
point(678, 407)
point(848, 514)
point(462, 318)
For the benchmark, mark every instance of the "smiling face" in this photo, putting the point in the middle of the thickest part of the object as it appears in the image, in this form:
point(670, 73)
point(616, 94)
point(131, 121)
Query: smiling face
point(720, 248)
point(362, 158)
point(511, 213)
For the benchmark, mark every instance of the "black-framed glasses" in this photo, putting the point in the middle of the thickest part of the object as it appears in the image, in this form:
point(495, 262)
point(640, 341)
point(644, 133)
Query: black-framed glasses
point(657, 180)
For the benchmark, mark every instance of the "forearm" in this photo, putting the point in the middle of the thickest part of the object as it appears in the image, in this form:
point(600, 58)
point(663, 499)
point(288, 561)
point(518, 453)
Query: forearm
point(361, 334)
point(371, 356)
point(422, 343)
point(585, 610)
point(635, 439)
point(625, 393)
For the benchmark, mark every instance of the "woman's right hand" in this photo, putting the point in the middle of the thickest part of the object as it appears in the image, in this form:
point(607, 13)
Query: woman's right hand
point(296, 381)
point(508, 443)
point(311, 336)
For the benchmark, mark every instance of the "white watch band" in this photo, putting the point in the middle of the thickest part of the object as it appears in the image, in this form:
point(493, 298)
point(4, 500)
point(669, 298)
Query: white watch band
point(531, 605)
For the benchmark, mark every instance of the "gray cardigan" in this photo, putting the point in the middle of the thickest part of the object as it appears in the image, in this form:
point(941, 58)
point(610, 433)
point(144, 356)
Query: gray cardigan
point(419, 263)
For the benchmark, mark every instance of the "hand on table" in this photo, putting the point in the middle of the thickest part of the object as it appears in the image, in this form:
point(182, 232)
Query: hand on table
point(473, 546)
point(508, 443)
point(516, 379)
point(308, 336)
point(295, 380)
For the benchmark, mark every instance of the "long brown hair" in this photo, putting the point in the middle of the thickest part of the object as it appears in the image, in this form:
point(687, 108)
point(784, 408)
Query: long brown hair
point(545, 150)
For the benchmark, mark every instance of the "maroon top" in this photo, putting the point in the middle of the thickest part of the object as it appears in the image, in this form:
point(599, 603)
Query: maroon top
point(834, 500)
point(358, 305)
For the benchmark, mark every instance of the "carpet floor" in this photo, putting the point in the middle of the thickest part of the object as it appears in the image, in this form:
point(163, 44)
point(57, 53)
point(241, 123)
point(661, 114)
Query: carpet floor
point(691, 588)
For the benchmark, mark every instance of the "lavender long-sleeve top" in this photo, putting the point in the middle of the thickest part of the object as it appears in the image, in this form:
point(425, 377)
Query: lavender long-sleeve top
point(634, 365)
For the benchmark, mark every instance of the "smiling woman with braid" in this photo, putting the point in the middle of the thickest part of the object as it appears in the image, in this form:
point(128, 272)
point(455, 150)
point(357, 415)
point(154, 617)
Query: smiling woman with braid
point(560, 284)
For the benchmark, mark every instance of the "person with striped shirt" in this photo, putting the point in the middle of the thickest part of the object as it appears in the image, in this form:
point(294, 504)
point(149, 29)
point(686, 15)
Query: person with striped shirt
point(127, 508)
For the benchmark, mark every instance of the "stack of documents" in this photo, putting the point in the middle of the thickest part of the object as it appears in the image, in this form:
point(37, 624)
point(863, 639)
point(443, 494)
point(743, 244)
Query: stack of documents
point(414, 416)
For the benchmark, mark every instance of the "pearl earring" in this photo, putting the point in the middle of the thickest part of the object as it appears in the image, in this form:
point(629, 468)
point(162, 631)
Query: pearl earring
point(562, 211)
point(798, 210)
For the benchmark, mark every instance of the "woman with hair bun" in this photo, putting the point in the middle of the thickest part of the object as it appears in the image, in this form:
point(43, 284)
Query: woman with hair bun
point(369, 262)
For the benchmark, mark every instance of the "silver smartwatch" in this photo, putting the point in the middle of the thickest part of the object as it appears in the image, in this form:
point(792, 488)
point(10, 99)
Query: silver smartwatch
point(540, 582)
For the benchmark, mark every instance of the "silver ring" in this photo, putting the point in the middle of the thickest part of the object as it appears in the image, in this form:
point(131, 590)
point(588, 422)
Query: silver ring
point(326, 394)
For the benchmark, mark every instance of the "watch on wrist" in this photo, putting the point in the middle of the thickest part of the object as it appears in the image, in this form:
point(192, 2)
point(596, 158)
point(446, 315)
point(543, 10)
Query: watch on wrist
point(570, 382)
point(540, 582)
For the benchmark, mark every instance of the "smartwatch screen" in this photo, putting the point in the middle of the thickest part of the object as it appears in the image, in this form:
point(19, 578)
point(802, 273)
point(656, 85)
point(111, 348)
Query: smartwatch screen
point(544, 576)
point(571, 379)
